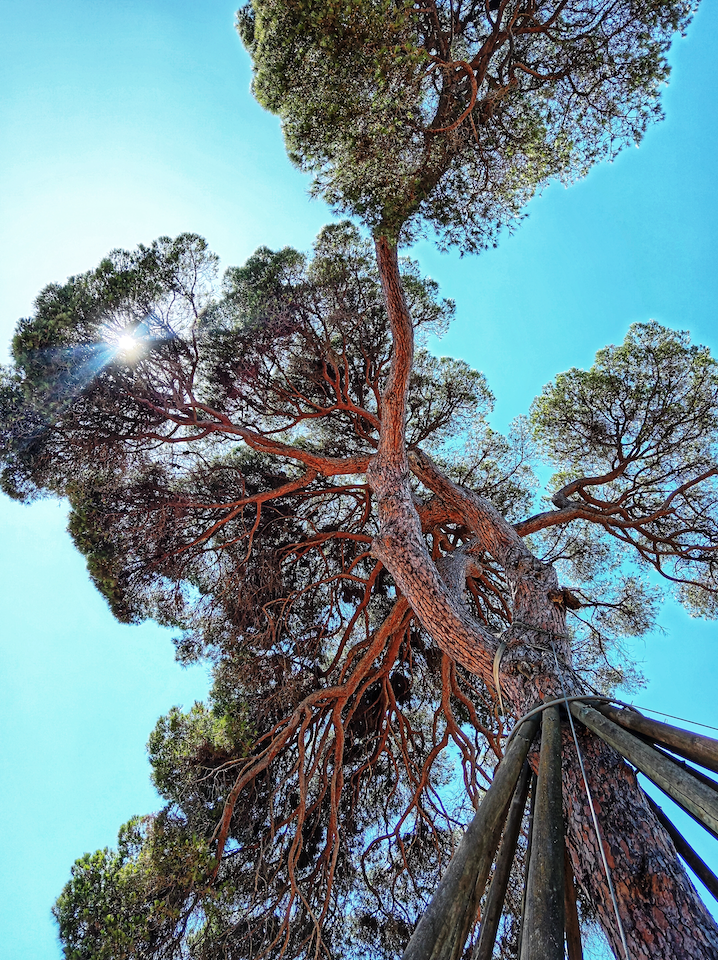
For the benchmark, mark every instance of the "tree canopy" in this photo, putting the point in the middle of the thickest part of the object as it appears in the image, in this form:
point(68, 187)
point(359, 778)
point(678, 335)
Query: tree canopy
point(213, 441)
point(275, 465)
point(452, 114)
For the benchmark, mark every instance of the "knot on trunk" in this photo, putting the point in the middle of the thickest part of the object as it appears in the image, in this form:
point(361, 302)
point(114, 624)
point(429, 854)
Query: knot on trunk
point(524, 564)
point(565, 599)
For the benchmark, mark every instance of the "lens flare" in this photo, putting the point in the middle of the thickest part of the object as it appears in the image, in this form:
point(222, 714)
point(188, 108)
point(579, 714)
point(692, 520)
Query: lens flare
point(126, 343)
point(128, 347)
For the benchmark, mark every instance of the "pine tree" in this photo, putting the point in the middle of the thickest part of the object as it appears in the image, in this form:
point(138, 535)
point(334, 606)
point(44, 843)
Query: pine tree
point(275, 469)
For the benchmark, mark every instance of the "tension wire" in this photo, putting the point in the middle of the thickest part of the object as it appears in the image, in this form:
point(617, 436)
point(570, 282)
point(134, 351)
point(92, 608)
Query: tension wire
point(592, 808)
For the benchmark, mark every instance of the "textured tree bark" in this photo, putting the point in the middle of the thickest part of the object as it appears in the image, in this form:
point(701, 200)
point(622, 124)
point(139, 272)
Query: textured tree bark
point(662, 915)
point(400, 544)
point(697, 865)
point(695, 797)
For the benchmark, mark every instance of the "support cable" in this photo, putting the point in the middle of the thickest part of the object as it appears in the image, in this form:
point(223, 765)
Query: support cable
point(591, 806)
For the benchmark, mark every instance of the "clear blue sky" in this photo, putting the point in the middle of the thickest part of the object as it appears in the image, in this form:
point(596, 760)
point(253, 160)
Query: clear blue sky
point(122, 122)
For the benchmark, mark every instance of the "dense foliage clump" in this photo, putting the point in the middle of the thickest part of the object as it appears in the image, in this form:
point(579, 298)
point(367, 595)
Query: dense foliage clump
point(454, 113)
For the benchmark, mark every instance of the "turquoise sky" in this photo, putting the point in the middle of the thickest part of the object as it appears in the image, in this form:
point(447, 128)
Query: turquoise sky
point(126, 121)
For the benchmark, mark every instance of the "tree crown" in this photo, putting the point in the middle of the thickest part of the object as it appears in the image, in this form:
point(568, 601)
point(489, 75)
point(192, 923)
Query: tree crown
point(214, 441)
point(453, 114)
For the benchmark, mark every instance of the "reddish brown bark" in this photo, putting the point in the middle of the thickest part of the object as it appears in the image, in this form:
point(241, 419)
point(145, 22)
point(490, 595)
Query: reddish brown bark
point(660, 911)
point(400, 544)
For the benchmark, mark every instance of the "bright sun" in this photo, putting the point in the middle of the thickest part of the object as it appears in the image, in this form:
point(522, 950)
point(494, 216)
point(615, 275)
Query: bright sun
point(126, 343)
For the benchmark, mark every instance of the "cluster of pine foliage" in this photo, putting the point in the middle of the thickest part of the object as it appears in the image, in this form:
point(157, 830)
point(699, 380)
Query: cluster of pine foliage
point(273, 464)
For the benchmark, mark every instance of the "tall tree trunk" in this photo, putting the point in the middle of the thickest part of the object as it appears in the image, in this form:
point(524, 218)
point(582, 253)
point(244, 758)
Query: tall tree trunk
point(661, 913)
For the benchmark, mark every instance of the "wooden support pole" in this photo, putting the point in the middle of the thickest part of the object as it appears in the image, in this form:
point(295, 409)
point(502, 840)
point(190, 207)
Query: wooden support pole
point(693, 746)
point(700, 801)
point(543, 936)
point(685, 850)
point(499, 882)
point(698, 774)
point(453, 908)
point(573, 930)
point(532, 808)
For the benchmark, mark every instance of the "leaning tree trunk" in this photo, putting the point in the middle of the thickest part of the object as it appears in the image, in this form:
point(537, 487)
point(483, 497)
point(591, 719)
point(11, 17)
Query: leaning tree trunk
point(661, 913)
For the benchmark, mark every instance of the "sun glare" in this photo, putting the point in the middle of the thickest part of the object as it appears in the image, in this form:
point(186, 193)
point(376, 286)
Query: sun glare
point(126, 343)
point(128, 347)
